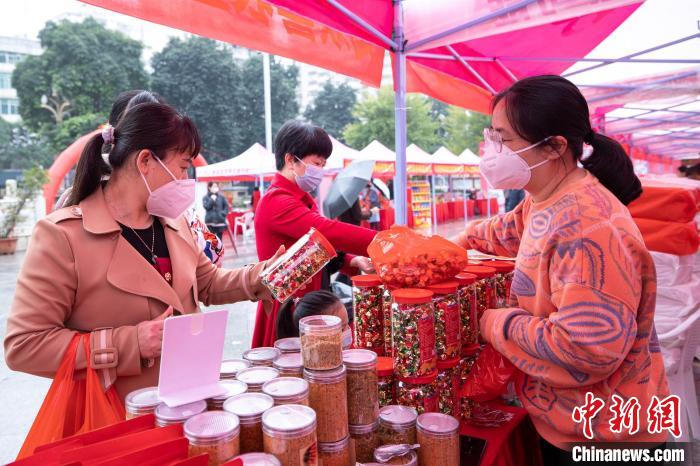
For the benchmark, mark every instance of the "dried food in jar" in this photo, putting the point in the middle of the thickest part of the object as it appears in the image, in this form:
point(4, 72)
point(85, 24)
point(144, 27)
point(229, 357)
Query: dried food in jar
point(335, 453)
point(289, 433)
point(397, 425)
point(231, 367)
point(250, 407)
point(215, 433)
point(233, 388)
point(263, 356)
point(328, 398)
point(288, 390)
point(255, 377)
point(438, 436)
point(288, 345)
point(364, 439)
point(321, 342)
point(166, 415)
point(362, 389)
point(289, 365)
point(140, 402)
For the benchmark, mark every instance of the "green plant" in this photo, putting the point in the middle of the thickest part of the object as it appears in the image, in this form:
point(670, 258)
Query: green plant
point(33, 179)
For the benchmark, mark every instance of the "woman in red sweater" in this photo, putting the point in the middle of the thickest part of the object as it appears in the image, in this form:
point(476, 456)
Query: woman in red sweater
point(287, 211)
point(581, 315)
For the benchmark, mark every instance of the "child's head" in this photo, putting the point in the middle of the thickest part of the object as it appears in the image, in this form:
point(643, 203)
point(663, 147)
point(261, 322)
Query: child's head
point(312, 304)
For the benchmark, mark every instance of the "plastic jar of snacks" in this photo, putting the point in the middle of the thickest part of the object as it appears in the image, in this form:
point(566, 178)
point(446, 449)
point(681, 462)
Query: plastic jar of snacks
point(466, 294)
point(233, 388)
point(288, 391)
point(231, 367)
point(385, 381)
point(249, 407)
point(263, 356)
point(298, 265)
point(140, 402)
point(397, 424)
point(215, 433)
point(447, 320)
point(503, 280)
point(364, 440)
point(289, 365)
point(387, 302)
point(347, 338)
point(438, 436)
point(418, 392)
point(367, 291)
point(335, 453)
point(465, 367)
point(413, 332)
point(257, 459)
point(448, 383)
point(363, 395)
point(288, 345)
point(484, 288)
point(255, 377)
point(400, 455)
point(321, 342)
point(328, 397)
point(289, 433)
point(166, 416)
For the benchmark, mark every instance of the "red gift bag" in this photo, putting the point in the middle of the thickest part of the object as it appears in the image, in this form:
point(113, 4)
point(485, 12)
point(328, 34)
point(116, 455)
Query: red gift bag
point(73, 406)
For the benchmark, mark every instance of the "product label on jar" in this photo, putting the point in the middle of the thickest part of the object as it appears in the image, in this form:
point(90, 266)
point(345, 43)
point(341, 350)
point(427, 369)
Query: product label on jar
point(452, 324)
point(308, 456)
point(426, 333)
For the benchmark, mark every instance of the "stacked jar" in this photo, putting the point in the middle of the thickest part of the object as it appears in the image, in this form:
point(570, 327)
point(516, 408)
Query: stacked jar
point(298, 265)
point(438, 436)
point(484, 288)
point(255, 377)
point(466, 293)
point(287, 391)
point(387, 302)
point(465, 367)
point(413, 332)
point(231, 367)
point(419, 392)
point(250, 407)
point(263, 356)
point(288, 345)
point(322, 356)
point(289, 365)
point(503, 281)
point(397, 425)
point(448, 385)
point(140, 402)
point(385, 381)
point(367, 296)
point(447, 320)
point(363, 399)
point(215, 433)
point(233, 388)
point(166, 415)
point(289, 433)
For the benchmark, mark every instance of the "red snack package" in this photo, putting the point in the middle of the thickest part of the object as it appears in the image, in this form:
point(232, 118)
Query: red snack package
point(489, 376)
point(404, 258)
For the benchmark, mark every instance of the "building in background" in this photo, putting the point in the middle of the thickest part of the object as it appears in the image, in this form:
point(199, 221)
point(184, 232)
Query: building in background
point(12, 51)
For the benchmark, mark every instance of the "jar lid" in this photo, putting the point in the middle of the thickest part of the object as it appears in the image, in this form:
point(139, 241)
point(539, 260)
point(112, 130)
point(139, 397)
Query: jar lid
point(437, 423)
point(180, 413)
point(366, 280)
point(398, 415)
point(142, 399)
point(363, 428)
point(212, 425)
point(359, 359)
point(385, 366)
point(465, 278)
point(480, 271)
point(327, 376)
point(288, 361)
point(323, 241)
point(261, 355)
point(231, 367)
point(444, 287)
point(422, 380)
point(412, 296)
point(289, 418)
point(320, 324)
point(289, 345)
point(502, 266)
point(233, 388)
point(256, 459)
point(249, 404)
point(257, 375)
point(470, 350)
point(285, 387)
point(334, 447)
point(447, 364)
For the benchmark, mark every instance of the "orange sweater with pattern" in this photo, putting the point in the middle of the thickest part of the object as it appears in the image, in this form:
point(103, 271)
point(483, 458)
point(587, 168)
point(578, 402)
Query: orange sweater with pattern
point(581, 315)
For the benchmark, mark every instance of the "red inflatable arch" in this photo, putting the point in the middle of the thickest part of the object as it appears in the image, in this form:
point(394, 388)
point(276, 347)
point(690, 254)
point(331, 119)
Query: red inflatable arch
point(67, 160)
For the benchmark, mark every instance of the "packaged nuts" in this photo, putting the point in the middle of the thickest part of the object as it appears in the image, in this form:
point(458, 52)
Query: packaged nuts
point(321, 342)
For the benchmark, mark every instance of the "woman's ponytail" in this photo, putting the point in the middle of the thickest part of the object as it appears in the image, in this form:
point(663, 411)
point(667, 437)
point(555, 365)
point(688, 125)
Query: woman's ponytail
point(89, 171)
point(613, 168)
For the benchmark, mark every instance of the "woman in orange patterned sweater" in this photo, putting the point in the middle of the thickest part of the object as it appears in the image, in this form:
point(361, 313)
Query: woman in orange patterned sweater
point(581, 315)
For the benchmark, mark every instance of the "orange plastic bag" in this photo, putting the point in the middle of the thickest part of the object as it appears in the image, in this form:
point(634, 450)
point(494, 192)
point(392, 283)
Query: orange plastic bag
point(405, 259)
point(489, 376)
point(73, 406)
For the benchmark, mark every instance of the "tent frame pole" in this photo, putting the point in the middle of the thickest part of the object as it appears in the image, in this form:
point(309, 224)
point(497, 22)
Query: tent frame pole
point(471, 69)
point(506, 70)
point(362, 23)
point(434, 204)
point(654, 123)
point(400, 180)
point(646, 86)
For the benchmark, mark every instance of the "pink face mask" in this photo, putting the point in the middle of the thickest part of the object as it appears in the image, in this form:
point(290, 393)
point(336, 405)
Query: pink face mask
point(504, 168)
point(172, 199)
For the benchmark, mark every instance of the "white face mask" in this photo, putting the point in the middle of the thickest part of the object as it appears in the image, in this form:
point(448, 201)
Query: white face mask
point(506, 169)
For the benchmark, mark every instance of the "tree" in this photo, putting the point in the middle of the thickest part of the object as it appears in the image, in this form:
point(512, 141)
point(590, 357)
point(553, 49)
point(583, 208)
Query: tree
point(464, 129)
point(200, 78)
point(332, 108)
point(22, 149)
point(71, 129)
point(83, 63)
point(284, 81)
point(375, 120)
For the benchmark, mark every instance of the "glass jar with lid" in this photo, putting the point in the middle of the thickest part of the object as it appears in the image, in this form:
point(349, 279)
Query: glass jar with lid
point(418, 392)
point(397, 425)
point(233, 388)
point(140, 402)
point(413, 332)
point(503, 281)
point(385, 381)
point(166, 416)
point(288, 390)
point(367, 292)
point(289, 365)
point(335, 453)
point(263, 356)
point(328, 398)
point(466, 293)
point(231, 367)
point(362, 388)
point(321, 342)
point(288, 345)
point(255, 377)
point(289, 433)
point(215, 433)
point(250, 407)
point(448, 384)
point(438, 436)
point(364, 439)
point(447, 320)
